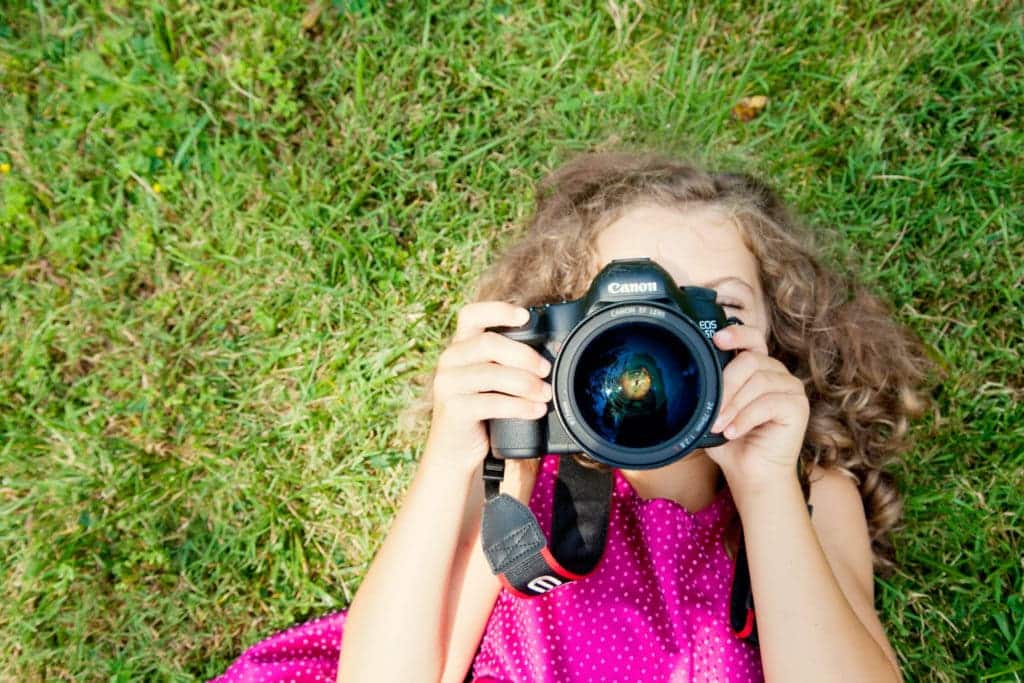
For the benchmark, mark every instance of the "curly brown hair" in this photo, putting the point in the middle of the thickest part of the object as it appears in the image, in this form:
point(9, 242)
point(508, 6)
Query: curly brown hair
point(863, 373)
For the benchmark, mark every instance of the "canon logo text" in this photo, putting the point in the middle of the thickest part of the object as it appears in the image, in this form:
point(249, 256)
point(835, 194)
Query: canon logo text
point(633, 288)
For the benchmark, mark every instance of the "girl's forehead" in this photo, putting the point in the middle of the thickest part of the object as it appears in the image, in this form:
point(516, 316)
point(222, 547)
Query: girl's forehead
point(696, 245)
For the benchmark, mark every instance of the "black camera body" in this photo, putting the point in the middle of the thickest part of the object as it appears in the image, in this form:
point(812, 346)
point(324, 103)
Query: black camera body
point(636, 380)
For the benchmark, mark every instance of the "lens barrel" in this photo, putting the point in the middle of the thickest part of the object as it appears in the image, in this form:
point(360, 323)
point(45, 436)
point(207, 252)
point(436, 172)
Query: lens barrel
point(636, 385)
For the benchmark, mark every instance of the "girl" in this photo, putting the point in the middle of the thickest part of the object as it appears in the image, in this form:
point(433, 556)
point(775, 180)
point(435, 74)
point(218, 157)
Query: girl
point(816, 400)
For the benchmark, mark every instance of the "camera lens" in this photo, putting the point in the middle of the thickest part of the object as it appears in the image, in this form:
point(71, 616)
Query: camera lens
point(636, 385)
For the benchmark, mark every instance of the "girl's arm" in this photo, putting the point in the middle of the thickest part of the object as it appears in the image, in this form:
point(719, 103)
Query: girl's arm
point(394, 626)
point(474, 588)
point(815, 612)
point(814, 601)
point(463, 603)
point(415, 603)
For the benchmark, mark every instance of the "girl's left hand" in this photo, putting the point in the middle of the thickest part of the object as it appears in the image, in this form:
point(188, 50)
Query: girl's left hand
point(764, 414)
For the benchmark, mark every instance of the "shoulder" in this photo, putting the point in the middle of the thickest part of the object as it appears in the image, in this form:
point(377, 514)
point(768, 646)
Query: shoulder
point(834, 490)
point(841, 525)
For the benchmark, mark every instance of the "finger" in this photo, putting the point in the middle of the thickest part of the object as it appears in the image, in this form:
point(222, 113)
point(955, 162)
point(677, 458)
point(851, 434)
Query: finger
point(741, 368)
point(492, 347)
point(759, 383)
point(783, 409)
point(488, 377)
point(474, 318)
point(490, 406)
point(746, 337)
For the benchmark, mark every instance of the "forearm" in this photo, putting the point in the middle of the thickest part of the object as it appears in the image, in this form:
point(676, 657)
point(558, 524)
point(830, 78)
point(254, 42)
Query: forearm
point(394, 628)
point(806, 627)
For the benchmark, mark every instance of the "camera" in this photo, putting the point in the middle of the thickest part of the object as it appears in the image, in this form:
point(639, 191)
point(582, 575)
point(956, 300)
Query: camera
point(636, 381)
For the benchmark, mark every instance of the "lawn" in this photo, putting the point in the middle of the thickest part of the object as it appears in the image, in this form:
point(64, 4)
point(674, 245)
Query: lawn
point(232, 240)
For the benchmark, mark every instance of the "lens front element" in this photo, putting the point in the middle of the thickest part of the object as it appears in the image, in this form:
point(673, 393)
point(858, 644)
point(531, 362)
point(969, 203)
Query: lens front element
point(636, 385)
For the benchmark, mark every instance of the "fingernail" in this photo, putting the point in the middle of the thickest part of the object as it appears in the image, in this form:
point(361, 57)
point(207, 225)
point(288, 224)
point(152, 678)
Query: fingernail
point(545, 368)
point(546, 392)
point(723, 334)
point(523, 316)
point(717, 427)
point(730, 432)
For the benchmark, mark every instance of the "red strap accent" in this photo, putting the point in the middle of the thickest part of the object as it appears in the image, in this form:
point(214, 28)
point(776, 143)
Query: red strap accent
point(553, 563)
point(748, 627)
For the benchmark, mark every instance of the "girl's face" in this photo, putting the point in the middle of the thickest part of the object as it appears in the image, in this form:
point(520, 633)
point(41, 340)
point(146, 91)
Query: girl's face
point(697, 246)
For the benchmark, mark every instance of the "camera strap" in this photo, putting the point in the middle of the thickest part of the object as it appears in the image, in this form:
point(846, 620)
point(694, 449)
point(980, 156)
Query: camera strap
point(514, 544)
point(528, 565)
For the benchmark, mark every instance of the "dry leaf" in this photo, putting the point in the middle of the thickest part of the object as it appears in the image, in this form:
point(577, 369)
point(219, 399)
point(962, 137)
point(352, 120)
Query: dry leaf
point(312, 15)
point(749, 108)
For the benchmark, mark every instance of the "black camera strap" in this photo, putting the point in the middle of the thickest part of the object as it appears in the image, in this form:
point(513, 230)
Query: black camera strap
point(741, 598)
point(528, 566)
point(514, 544)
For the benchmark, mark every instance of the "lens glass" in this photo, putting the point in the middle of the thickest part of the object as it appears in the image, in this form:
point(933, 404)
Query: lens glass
point(636, 385)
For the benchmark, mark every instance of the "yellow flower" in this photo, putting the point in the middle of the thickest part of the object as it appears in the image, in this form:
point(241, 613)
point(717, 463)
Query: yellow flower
point(159, 151)
point(5, 168)
point(156, 188)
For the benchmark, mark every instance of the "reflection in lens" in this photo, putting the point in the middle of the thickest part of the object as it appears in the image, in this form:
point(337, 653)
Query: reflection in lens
point(636, 385)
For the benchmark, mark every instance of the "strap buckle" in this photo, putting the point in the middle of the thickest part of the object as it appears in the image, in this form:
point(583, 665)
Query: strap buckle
point(494, 469)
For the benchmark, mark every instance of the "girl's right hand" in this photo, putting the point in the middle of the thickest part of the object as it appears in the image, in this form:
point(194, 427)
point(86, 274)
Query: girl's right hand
point(481, 376)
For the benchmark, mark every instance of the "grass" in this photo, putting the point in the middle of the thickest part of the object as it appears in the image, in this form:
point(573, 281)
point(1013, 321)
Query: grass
point(233, 237)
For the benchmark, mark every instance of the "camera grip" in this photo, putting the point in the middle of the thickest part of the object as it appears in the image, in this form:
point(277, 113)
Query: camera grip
point(514, 438)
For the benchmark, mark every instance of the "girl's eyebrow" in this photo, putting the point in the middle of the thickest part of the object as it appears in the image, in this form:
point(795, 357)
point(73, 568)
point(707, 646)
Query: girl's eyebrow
point(712, 284)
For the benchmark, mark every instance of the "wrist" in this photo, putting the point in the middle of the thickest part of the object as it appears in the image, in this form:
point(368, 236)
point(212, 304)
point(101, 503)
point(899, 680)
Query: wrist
point(442, 461)
point(767, 491)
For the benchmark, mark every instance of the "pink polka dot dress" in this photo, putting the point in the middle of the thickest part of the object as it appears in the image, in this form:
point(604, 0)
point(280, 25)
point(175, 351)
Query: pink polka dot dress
point(656, 608)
